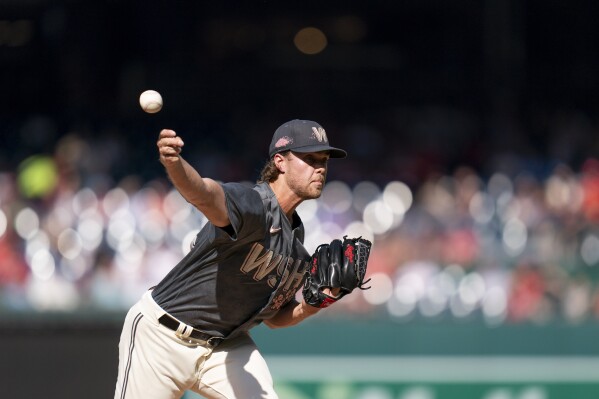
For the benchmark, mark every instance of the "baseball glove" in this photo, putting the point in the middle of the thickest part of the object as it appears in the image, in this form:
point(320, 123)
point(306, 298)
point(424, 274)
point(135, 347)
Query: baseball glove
point(338, 265)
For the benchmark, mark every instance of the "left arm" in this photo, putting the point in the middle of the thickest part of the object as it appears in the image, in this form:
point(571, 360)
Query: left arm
point(291, 314)
point(295, 312)
point(346, 261)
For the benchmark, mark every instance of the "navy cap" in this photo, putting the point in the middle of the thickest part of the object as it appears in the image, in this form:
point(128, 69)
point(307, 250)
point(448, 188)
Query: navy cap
point(302, 136)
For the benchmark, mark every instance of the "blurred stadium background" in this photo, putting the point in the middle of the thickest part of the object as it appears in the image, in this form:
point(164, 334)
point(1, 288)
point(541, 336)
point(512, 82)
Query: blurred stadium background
point(472, 128)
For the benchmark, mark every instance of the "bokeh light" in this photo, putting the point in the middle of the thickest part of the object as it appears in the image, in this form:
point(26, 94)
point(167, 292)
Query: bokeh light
point(514, 236)
point(378, 216)
point(310, 40)
point(589, 250)
point(363, 194)
point(43, 264)
point(69, 244)
point(383, 291)
point(336, 197)
point(26, 223)
point(3, 223)
point(37, 176)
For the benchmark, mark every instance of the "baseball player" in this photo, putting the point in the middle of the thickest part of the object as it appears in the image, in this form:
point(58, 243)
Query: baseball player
point(190, 332)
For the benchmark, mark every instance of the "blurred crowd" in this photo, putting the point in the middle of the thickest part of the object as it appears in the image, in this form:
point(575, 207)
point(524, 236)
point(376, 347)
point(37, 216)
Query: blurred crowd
point(76, 235)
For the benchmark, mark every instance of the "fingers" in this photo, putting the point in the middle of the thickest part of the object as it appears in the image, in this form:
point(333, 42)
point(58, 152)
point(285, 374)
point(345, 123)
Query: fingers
point(332, 292)
point(169, 145)
point(168, 137)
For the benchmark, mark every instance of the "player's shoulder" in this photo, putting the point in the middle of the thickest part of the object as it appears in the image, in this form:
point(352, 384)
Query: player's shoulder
point(264, 190)
point(240, 190)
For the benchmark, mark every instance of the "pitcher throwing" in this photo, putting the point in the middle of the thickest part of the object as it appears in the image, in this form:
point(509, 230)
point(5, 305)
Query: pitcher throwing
point(191, 331)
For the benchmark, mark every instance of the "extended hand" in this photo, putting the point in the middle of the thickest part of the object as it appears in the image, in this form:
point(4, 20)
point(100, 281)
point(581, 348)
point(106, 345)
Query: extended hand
point(169, 146)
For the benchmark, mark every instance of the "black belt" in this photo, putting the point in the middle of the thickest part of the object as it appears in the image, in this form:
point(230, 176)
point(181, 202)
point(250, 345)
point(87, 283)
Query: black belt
point(168, 321)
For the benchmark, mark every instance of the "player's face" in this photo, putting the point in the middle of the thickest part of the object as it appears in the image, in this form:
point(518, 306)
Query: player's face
point(307, 172)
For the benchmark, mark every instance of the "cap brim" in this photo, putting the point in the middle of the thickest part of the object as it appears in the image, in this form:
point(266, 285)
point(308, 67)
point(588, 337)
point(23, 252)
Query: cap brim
point(333, 152)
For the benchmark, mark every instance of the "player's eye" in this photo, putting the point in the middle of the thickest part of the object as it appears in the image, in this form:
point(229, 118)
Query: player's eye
point(320, 162)
point(315, 161)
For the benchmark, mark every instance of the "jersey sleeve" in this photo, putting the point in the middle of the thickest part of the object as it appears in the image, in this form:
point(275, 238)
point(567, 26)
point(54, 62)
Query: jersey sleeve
point(245, 209)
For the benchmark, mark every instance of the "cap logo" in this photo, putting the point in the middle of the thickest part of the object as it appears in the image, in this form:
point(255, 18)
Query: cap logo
point(283, 142)
point(320, 134)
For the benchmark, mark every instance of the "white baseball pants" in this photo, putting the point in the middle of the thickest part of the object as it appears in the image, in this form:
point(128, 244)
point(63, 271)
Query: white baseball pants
point(155, 364)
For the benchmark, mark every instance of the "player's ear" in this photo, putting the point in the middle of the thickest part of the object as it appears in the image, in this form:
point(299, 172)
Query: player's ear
point(279, 161)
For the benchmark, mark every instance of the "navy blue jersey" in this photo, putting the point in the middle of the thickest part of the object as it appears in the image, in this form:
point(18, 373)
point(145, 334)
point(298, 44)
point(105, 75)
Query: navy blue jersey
point(235, 277)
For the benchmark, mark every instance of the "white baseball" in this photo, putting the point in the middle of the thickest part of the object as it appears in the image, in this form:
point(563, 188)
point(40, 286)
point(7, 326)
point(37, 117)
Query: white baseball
point(150, 101)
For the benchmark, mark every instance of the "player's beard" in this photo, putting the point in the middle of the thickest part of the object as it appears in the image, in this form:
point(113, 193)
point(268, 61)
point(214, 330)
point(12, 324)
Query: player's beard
point(307, 191)
point(315, 193)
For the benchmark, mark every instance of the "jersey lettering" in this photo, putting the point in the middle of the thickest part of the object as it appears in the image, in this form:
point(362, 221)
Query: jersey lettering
point(263, 262)
point(292, 278)
point(295, 275)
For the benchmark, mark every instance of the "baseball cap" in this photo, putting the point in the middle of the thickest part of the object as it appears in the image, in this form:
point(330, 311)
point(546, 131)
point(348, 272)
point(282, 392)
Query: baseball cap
point(302, 136)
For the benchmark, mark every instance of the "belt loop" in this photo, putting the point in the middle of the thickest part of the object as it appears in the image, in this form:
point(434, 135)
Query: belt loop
point(183, 331)
point(187, 332)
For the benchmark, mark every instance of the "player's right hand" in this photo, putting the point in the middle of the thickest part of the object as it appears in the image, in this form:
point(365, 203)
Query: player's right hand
point(169, 146)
